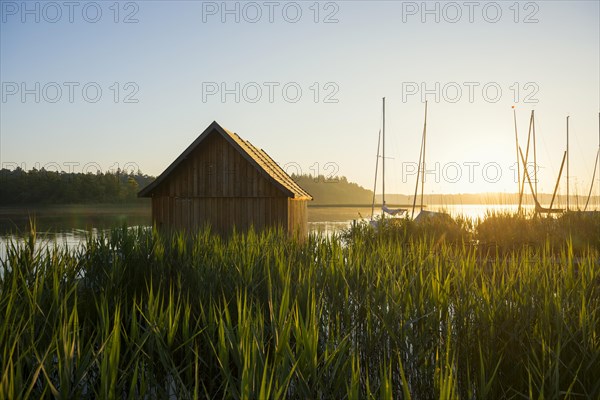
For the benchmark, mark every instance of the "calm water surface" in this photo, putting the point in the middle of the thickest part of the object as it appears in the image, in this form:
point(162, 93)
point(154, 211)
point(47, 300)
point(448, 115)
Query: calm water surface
point(70, 225)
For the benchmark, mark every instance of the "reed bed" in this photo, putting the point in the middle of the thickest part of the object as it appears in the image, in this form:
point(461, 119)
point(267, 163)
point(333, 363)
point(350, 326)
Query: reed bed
point(138, 314)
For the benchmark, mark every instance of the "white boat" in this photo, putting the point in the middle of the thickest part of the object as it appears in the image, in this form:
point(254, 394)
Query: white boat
point(385, 210)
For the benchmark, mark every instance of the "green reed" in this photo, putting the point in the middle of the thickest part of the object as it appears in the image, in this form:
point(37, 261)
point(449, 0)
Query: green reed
point(142, 314)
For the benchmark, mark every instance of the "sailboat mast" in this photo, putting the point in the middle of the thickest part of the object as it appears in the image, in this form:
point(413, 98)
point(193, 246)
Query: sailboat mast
point(562, 164)
point(596, 167)
point(535, 180)
point(417, 180)
point(567, 163)
point(375, 181)
point(517, 149)
point(522, 188)
point(424, 142)
point(383, 159)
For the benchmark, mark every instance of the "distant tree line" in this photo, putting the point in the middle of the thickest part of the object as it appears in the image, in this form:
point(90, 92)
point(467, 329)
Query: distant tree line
point(336, 190)
point(48, 187)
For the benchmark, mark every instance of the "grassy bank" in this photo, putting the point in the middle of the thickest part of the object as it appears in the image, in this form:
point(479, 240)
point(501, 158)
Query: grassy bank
point(138, 314)
point(496, 233)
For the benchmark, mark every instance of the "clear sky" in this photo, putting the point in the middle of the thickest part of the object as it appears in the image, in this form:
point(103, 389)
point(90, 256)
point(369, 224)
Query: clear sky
point(167, 69)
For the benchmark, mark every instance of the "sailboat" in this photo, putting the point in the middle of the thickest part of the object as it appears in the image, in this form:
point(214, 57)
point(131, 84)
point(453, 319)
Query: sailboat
point(384, 207)
point(424, 215)
point(421, 170)
point(539, 209)
point(596, 164)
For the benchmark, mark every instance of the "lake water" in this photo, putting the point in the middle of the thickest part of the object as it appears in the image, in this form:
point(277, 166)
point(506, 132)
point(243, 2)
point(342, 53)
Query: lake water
point(70, 225)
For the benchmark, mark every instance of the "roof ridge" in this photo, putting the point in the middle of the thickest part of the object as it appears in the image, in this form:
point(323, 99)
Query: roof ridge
point(269, 165)
point(266, 164)
point(258, 157)
point(273, 166)
point(286, 176)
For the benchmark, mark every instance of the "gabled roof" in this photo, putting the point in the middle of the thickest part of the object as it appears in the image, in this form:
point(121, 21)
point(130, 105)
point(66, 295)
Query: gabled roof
point(257, 157)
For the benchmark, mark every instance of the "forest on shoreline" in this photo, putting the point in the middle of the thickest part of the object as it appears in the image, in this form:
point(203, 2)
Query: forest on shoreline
point(42, 187)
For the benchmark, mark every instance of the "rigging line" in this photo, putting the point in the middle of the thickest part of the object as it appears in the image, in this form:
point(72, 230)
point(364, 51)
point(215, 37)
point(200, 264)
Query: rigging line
point(522, 188)
point(528, 178)
point(424, 142)
point(548, 156)
point(558, 179)
point(378, 157)
point(418, 175)
point(581, 153)
point(593, 179)
point(383, 159)
point(517, 148)
point(535, 165)
point(375, 181)
point(394, 162)
point(552, 172)
point(568, 163)
point(545, 144)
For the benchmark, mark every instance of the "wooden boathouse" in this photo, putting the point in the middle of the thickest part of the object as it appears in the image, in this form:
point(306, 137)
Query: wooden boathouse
point(225, 181)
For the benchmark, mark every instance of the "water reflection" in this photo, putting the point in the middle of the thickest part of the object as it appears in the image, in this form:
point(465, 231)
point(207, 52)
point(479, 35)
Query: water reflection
point(69, 226)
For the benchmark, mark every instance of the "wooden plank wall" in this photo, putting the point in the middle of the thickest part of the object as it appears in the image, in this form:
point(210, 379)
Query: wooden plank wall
point(216, 185)
point(297, 217)
point(221, 213)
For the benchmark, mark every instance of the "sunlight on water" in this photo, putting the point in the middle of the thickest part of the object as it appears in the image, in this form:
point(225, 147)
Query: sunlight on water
point(328, 220)
point(325, 220)
point(70, 239)
point(475, 211)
